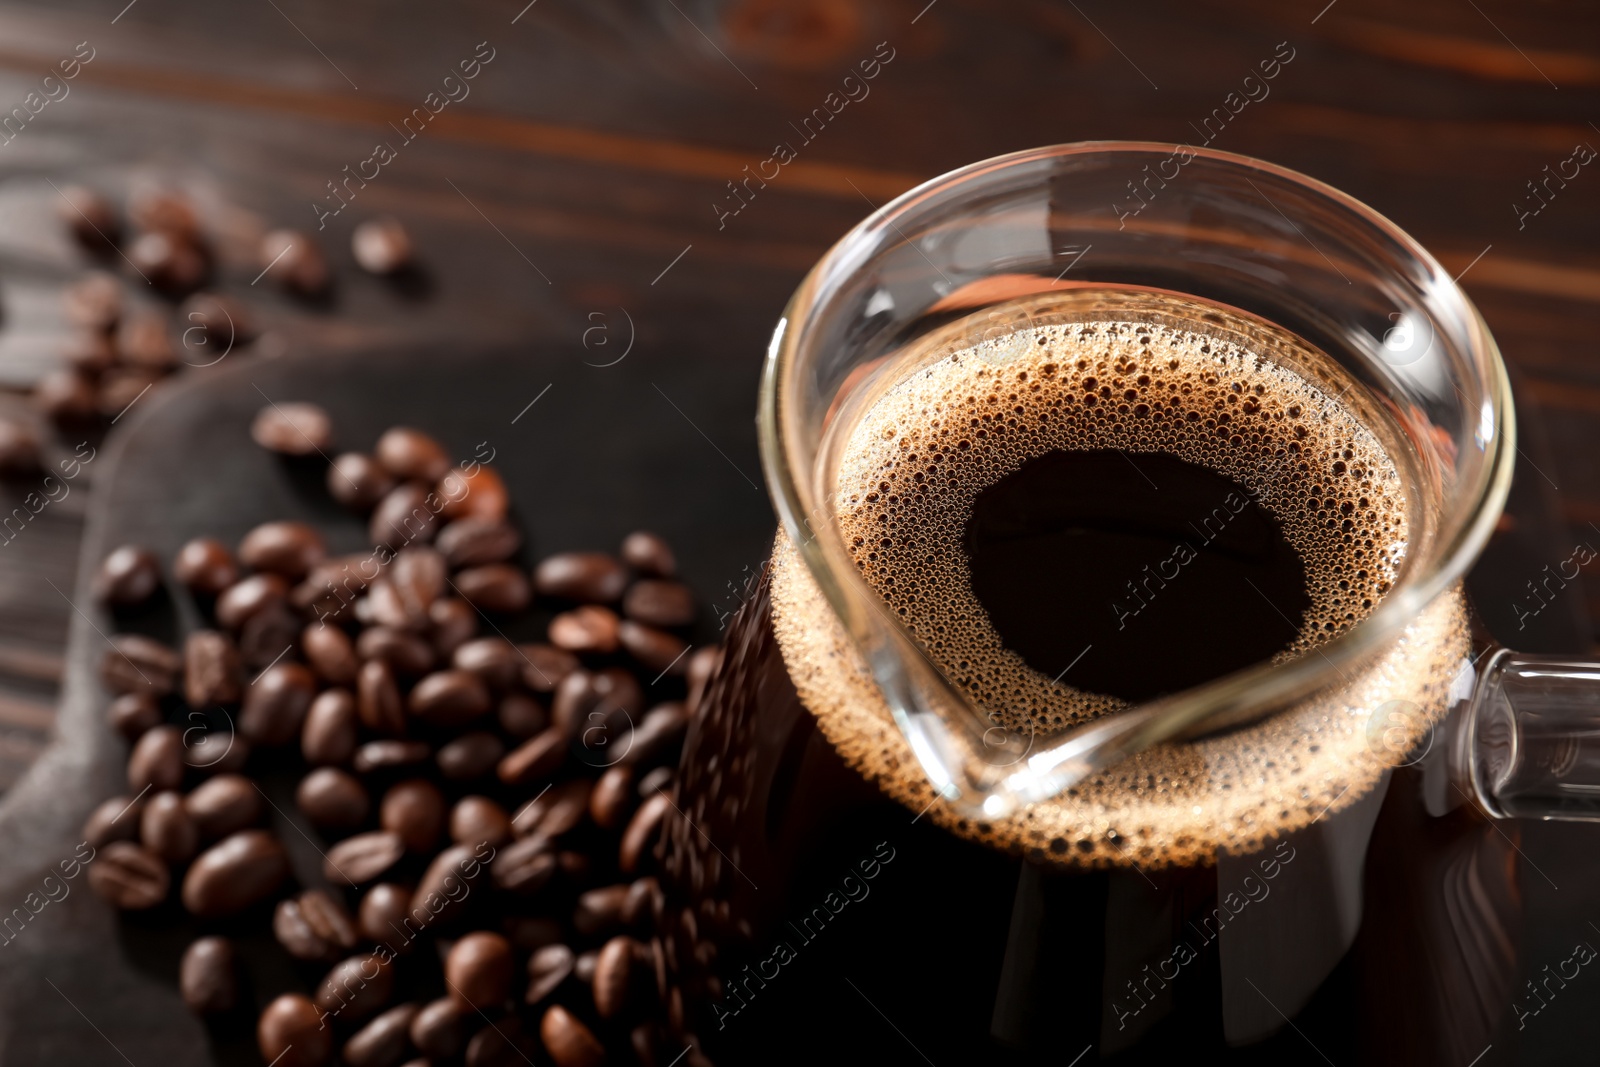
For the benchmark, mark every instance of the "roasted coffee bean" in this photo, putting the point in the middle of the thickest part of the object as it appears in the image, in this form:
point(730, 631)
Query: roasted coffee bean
point(296, 262)
point(89, 217)
point(547, 969)
point(495, 587)
point(536, 758)
point(655, 649)
point(471, 541)
point(559, 810)
point(383, 914)
point(358, 481)
point(144, 341)
point(378, 699)
point(414, 811)
point(645, 1040)
point(275, 704)
point(388, 755)
point(643, 901)
point(19, 449)
point(268, 635)
point(493, 659)
point(67, 396)
point(403, 517)
point(130, 876)
point(657, 602)
point(411, 454)
point(331, 653)
point(361, 858)
point(131, 714)
point(286, 548)
point(128, 576)
point(206, 566)
point(233, 874)
point(703, 664)
point(611, 800)
point(328, 917)
point(607, 701)
point(470, 756)
point(291, 1033)
point(450, 698)
point(215, 324)
point(383, 1041)
point(475, 819)
point(420, 576)
point(138, 664)
point(406, 653)
point(164, 211)
point(214, 751)
point(599, 911)
point(172, 264)
point(224, 805)
point(248, 596)
point(476, 494)
point(545, 666)
point(208, 976)
point(504, 1044)
point(296, 934)
point(116, 819)
point(528, 933)
point(583, 967)
point(156, 761)
point(588, 628)
point(569, 1042)
point(657, 781)
point(332, 799)
point(454, 623)
point(210, 669)
point(166, 829)
point(440, 892)
point(381, 246)
point(441, 1028)
point(94, 303)
point(587, 577)
point(89, 353)
point(642, 831)
point(648, 554)
point(383, 608)
point(525, 866)
point(575, 867)
point(331, 730)
point(329, 592)
point(658, 735)
point(521, 716)
point(614, 971)
point(119, 387)
point(477, 970)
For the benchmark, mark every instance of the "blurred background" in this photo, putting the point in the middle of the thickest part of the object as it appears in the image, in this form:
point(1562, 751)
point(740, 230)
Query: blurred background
point(605, 181)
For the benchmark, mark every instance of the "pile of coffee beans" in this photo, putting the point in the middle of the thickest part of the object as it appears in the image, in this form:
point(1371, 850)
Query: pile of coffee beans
point(485, 812)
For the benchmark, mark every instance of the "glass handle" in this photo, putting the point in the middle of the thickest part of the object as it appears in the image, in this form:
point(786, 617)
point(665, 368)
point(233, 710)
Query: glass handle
point(1533, 738)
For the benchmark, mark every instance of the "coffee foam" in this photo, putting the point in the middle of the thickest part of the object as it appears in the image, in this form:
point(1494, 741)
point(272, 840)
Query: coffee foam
point(907, 474)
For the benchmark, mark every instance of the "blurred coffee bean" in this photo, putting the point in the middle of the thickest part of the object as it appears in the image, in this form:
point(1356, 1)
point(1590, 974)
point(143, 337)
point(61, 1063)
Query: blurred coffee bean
point(658, 780)
point(295, 262)
point(588, 577)
point(286, 548)
point(205, 565)
point(116, 819)
point(330, 652)
point(266, 636)
point(658, 735)
point(494, 660)
point(599, 911)
point(504, 1044)
point(89, 217)
point(224, 805)
point(656, 650)
point(494, 587)
point(545, 666)
point(657, 602)
point(331, 730)
point(450, 698)
point(382, 917)
point(583, 967)
point(614, 971)
point(477, 494)
point(332, 799)
point(440, 1030)
point(210, 669)
point(89, 352)
point(173, 265)
point(586, 629)
point(164, 211)
point(521, 716)
point(470, 541)
point(292, 428)
point(560, 810)
point(470, 756)
point(144, 341)
point(381, 246)
point(291, 1033)
point(212, 325)
point(411, 454)
point(569, 1042)
point(378, 699)
point(128, 576)
point(388, 755)
point(120, 387)
point(156, 760)
point(358, 481)
point(419, 575)
point(297, 936)
point(131, 714)
point(606, 700)
point(648, 554)
point(525, 866)
point(129, 876)
point(248, 596)
point(359, 859)
point(530, 933)
point(94, 302)
point(440, 892)
point(477, 970)
point(536, 758)
point(67, 396)
point(166, 829)
point(208, 976)
point(19, 449)
point(403, 517)
point(454, 623)
point(275, 704)
point(383, 1041)
point(548, 968)
point(215, 751)
point(642, 831)
point(405, 653)
point(475, 819)
point(639, 907)
point(238, 871)
point(611, 800)
point(414, 811)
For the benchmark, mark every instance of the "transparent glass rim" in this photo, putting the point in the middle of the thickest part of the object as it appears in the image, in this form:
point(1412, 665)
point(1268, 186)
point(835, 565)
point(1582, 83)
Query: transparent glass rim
point(1465, 525)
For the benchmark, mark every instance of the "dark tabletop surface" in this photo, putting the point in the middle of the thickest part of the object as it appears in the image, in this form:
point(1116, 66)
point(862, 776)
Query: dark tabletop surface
point(570, 204)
